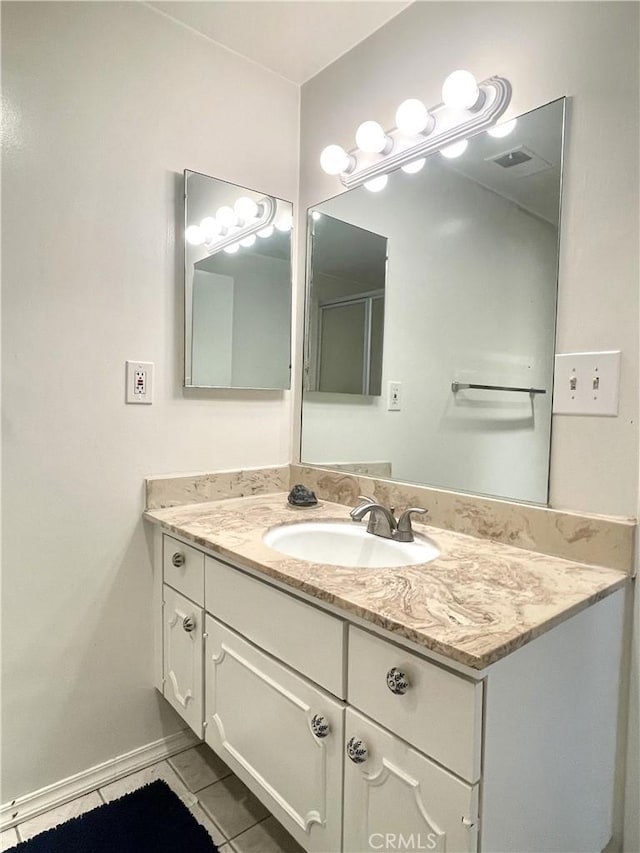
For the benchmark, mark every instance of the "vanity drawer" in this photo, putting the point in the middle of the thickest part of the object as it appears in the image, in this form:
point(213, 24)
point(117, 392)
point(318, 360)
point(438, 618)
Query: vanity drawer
point(309, 640)
point(183, 568)
point(440, 712)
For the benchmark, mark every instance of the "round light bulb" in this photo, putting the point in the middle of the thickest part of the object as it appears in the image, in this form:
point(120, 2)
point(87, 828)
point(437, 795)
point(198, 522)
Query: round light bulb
point(412, 117)
point(266, 232)
point(194, 235)
point(232, 249)
point(335, 160)
point(248, 241)
point(210, 228)
point(412, 168)
point(376, 184)
point(226, 216)
point(284, 222)
point(460, 90)
point(455, 150)
point(503, 129)
point(370, 137)
point(246, 208)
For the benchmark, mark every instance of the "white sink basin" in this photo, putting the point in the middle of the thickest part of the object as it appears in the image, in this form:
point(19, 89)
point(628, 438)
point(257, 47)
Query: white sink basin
point(347, 544)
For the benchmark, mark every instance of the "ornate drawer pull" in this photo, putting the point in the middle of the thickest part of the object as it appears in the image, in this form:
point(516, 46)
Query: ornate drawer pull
point(178, 559)
point(357, 750)
point(189, 624)
point(320, 725)
point(397, 681)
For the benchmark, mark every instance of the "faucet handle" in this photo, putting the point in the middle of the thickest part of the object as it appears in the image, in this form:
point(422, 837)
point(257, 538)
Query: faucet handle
point(364, 501)
point(404, 522)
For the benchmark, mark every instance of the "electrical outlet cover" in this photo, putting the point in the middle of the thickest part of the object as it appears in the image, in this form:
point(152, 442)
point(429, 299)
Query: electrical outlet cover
point(139, 382)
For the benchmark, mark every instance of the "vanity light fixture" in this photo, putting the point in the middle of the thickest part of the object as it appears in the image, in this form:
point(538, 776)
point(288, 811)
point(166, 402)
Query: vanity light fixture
point(467, 108)
point(237, 225)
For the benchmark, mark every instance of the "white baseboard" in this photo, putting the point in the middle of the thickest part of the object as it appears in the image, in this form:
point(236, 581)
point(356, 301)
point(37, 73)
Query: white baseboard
point(30, 805)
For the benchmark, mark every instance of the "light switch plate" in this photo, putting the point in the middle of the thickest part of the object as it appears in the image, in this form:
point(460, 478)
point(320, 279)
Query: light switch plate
point(586, 383)
point(394, 396)
point(139, 382)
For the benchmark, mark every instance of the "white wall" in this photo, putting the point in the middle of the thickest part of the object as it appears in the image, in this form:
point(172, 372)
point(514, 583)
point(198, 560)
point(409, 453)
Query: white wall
point(588, 51)
point(105, 104)
point(470, 295)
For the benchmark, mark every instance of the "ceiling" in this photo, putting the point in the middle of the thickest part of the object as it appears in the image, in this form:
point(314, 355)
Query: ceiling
point(295, 38)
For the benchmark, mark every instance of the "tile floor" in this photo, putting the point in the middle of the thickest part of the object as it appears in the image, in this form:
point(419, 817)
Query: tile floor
point(237, 822)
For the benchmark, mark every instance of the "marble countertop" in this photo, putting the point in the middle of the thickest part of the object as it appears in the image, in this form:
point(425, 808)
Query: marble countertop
point(475, 603)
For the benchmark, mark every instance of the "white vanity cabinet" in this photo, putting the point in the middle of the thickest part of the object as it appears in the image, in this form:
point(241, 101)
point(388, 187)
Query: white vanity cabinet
point(182, 657)
point(358, 740)
point(182, 630)
point(280, 733)
point(395, 798)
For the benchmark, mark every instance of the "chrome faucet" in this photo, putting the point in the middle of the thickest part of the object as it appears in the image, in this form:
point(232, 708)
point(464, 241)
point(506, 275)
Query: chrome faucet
point(382, 521)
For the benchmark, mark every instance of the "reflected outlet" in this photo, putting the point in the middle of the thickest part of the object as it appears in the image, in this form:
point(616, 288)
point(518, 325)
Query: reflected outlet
point(394, 398)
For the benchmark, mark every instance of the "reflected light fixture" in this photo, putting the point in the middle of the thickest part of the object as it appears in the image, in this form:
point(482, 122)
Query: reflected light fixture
point(210, 228)
point(226, 216)
point(455, 150)
point(377, 184)
point(501, 130)
point(414, 166)
point(245, 208)
point(284, 222)
point(194, 235)
point(467, 108)
point(237, 225)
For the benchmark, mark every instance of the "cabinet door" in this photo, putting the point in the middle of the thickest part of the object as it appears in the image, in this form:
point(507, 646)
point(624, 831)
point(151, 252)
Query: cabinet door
point(397, 799)
point(182, 644)
point(280, 733)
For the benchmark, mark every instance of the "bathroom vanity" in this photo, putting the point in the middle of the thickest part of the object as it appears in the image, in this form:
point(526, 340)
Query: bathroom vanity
point(462, 705)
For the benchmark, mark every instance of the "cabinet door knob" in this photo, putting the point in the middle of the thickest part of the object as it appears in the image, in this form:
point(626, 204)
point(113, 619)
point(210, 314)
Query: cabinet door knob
point(178, 559)
point(320, 725)
point(397, 681)
point(189, 624)
point(357, 750)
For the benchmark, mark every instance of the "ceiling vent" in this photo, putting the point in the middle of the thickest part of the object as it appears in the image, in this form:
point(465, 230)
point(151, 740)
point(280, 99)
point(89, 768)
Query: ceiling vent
point(521, 160)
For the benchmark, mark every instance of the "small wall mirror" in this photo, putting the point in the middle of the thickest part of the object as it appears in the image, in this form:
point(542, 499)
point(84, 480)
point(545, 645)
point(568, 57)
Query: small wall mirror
point(347, 282)
point(237, 286)
point(465, 317)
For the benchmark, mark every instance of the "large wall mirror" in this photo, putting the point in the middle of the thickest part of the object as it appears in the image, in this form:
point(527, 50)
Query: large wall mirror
point(463, 258)
point(237, 286)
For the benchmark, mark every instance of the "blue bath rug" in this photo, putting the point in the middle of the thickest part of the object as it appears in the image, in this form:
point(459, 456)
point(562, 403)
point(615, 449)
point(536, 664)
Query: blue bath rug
point(150, 820)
